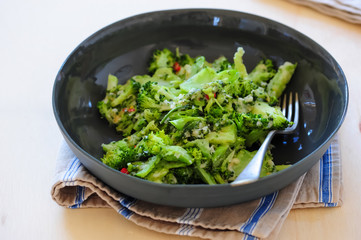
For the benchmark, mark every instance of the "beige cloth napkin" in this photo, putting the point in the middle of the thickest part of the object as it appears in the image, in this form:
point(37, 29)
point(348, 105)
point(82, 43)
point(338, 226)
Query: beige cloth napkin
point(75, 187)
point(349, 10)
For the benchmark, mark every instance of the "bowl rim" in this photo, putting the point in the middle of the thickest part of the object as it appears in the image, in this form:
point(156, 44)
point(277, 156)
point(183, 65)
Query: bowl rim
point(108, 27)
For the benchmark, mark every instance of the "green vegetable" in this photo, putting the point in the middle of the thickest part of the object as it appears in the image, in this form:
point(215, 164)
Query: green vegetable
point(161, 59)
point(190, 121)
point(278, 83)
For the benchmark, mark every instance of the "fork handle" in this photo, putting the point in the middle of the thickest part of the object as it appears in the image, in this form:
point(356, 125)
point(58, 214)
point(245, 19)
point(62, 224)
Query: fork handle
point(252, 171)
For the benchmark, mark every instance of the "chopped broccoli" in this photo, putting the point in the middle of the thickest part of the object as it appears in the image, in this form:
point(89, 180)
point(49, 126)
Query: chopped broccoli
point(274, 114)
point(185, 175)
point(144, 168)
point(190, 121)
point(153, 96)
point(226, 135)
point(262, 73)
point(220, 154)
point(278, 83)
point(221, 64)
point(183, 59)
point(238, 62)
point(206, 75)
point(181, 122)
point(161, 59)
point(176, 153)
point(119, 104)
point(117, 154)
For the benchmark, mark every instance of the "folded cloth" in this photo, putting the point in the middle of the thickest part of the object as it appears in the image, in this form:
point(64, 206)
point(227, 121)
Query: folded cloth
point(75, 187)
point(349, 10)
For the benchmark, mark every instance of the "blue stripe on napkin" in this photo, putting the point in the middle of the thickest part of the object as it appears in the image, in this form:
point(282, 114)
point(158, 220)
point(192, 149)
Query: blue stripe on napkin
point(263, 207)
point(189, 216)
point(126, 203)
point(185, 229)
point(70, 174)
point(79, 199)
point(325, 183)
point(125, 212)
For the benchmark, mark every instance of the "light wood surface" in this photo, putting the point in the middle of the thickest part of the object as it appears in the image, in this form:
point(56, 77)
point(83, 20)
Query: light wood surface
point(35, 39)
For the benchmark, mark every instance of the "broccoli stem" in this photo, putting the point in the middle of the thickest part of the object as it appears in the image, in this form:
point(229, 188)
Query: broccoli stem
point(112, 82)
point(148, 166)
point(206, 177)
point(169, 113)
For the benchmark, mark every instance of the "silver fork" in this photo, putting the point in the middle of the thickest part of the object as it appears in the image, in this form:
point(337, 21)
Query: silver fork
point(252, 171)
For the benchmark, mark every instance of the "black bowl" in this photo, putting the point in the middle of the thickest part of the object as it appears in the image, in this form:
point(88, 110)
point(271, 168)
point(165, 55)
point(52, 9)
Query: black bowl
point(124, 48)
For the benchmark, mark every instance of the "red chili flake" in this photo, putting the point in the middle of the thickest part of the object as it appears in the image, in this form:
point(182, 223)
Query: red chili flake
point(124, 170)
point(176, 67)
point(135, 146)
point(215, 95)
point(131, 109)
point(207, 97)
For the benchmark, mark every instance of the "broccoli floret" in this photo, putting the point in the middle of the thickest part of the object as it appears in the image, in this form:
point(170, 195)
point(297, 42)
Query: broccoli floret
point(140, 124)
point(186, 175)
point(184, 112)
point(161, 59)
point(153, 143)
point(142, 169)
point(126, 123)
point(166, 77)
point(151, 114)
point(238, 63)
point(105, 110)
point(262, 73)
point(255, 135)
point(220, 154)
point(255, 125)
point(252, 127)
point(245, 88)
point(176, 153)
point(199, 80)
point(112, 82)
point(181, 122)
point(163, 172)
point(221, 64)
point(153, 96)
point(229, 76)
point(204, 174)
point(276, 119)
point(202, 145)
point(226, 135)
point(161, 144)
point(183, 59)
point(247, 121)
point(119, 103)
point(193, 67)
point(268, 166)
point(261, 94)
point(278, 83)
point(126, 91)
point(157, 174)
point(151, 127)
point(117, 154)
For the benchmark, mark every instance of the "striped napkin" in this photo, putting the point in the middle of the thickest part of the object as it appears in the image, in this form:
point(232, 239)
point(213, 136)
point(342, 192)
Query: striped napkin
point(348, 10)
point(75, 187)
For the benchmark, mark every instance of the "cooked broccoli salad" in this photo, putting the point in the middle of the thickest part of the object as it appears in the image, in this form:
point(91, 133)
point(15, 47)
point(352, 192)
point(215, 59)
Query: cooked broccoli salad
point(190, 121)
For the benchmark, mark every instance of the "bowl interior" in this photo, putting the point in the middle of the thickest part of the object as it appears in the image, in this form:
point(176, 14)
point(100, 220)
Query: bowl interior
point(124, 48)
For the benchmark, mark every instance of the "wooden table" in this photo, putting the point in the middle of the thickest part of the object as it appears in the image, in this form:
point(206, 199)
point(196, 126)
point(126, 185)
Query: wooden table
point(35, 39)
